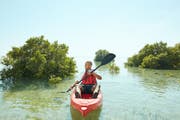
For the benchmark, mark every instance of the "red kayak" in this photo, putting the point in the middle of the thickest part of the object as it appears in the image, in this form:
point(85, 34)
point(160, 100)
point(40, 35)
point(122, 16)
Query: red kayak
point(86, 104)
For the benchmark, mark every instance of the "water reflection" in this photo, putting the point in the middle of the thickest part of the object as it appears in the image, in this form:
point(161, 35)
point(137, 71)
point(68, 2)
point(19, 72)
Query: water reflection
point(1, 86)
point(158, 80)
point(33, 102)
point(133, 94)
point(76, 115)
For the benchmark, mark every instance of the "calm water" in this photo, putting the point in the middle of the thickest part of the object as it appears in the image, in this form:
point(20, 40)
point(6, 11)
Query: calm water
point(133, 94)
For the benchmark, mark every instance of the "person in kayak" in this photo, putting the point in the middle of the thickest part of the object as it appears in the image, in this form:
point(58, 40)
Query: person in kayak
point(89, 83)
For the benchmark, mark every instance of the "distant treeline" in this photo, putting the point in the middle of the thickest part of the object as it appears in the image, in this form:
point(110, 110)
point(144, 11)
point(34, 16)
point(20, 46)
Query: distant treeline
point(156, 56)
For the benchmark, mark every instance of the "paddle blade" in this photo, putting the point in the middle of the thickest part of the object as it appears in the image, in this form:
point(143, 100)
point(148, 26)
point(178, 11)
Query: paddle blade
point(108, 58)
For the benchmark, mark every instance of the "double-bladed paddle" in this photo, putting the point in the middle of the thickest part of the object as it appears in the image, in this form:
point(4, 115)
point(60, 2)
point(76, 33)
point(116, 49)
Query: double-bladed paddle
point(107, 59)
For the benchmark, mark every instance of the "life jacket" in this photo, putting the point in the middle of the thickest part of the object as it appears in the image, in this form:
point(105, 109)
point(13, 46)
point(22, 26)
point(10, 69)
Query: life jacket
point(88, 79)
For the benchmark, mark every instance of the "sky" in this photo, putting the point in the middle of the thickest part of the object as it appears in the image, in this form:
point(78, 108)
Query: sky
point(120, 26)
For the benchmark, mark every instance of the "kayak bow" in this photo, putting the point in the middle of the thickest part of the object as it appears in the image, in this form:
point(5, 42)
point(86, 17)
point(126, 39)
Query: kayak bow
point(86, 104)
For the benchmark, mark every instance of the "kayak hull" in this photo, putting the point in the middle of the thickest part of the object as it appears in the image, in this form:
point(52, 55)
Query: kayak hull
point(86, 104)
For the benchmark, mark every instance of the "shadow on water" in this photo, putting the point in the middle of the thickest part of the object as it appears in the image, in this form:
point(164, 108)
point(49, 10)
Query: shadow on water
point(157, 79)
point(94, 115)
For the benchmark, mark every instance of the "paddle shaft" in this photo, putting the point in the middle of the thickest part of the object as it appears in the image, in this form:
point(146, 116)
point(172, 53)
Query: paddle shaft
point(77, 82)
point(91, 72)
point(108, 58)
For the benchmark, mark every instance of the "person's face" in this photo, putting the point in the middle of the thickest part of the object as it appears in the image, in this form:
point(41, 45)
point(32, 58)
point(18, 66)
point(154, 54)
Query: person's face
point(88, 66)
